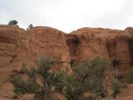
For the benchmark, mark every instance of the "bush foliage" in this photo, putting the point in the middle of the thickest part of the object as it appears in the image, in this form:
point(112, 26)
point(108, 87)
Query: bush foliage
point(92, 76)
point(13, 22)
point(130, 76)
point(30, 27)
point(116, 85)
point(89, 76)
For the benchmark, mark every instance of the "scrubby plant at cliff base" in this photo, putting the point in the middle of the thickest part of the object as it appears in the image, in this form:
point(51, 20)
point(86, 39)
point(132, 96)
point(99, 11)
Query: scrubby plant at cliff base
point(93, 76)
point(89, 76)
point(50, 82)
point(130, 76)
point(116, 85)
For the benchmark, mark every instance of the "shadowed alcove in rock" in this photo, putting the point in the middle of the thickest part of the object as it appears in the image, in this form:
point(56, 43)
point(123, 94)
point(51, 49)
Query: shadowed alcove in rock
point(130, 45)
point(72, 43)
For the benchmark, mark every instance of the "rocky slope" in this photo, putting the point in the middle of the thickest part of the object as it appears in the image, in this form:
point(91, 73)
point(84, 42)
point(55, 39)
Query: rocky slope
point(19, 46)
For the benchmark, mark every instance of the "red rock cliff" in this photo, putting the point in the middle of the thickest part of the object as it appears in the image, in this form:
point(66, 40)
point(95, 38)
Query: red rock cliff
point(19, 46)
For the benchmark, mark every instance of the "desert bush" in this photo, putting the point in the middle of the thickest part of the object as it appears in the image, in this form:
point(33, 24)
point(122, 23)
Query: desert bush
point(50, 81)
point(116, 85)
point(31, 85)
point(130, 76)
point(89, 76)
point(22, 87)
point(13, 22)
point(30, 27)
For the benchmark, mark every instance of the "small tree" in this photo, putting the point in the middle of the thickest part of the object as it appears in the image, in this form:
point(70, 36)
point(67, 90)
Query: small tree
point(30, 27)
point(42, 92)
point(93, 76)
point(13, 22)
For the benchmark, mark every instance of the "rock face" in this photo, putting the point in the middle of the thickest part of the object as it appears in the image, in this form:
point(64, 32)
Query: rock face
point(42, 41)
point(89, 45)
point(107, 43)
point(19, 46)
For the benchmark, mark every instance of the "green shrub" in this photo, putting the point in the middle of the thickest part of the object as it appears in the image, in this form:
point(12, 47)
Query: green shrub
point(13, 22)
point(91, 76)
point(50, 81)
point(130, 76)
point(88, 75)
point(31, 86)
point(30, 27)
point(116, 85)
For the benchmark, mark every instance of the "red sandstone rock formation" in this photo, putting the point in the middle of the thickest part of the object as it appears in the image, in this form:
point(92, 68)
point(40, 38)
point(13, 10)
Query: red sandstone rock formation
point(19, 46)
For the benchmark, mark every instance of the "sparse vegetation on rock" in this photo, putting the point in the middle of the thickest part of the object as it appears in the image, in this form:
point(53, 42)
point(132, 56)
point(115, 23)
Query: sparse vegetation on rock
point(13, 22)
point(89, 76)
point(30, 27)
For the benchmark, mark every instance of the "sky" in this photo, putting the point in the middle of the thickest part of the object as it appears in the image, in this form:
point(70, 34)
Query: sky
point(68, 15)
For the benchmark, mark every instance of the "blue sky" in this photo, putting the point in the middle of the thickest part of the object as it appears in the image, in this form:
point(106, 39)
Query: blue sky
point(68, 15)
